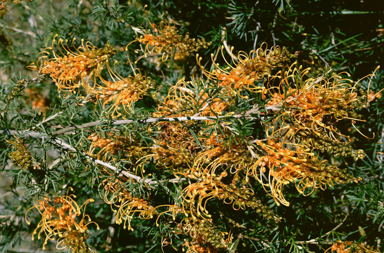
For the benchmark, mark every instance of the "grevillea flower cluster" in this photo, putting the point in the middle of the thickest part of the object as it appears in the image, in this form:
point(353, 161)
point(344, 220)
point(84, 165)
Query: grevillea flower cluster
point(63, 220)
point(165, 40)
point(198, 139)
point(348, 246)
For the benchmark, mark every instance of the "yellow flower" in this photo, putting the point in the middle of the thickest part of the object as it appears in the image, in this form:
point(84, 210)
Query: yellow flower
point(62, 219)
point(68, 67)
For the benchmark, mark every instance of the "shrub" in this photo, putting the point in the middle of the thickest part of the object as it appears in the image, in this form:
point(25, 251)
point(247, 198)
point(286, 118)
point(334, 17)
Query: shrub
point(130, 133)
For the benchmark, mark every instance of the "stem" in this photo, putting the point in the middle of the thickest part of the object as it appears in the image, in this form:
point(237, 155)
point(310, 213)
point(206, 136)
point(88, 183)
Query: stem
point(97, 161)
point(314, 241)
point(144, 121)
point(19, 31)
point(47, 119)
point(110, 166)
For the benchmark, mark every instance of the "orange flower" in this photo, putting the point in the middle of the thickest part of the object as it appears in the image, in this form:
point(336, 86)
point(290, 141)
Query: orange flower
point(60, 217)
point(68, 68)
point(167, 40)
point(248, 67)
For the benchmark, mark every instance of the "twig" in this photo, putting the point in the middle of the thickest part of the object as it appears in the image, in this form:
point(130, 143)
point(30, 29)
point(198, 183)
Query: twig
point(273, 38)
point(105, 164)
point(19, 31)
point(53, 164)
point(145, 121)
point(97, 161)
point(339, 225)
point(321, 58)
point(203, 108)
point(47, 119)
point(110, 166)
point(314, 241)
point(32, 251)
point(25, 133)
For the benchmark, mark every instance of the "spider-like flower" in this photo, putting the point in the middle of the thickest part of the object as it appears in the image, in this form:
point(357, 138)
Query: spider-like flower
point(69, 67)
point(286, 163)
point(196, 196)
point(174, 209)
point(128, 207)
point(248, 68)
point(346, 246)
point(316, 105)
point(113, 193)
point(166, 40)
point(106, 148)
point(64, 220)
point(120, 92)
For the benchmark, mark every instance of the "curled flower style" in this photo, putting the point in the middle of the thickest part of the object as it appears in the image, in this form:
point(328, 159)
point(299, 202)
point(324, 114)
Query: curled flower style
point(179, 102)
point(248, 68)
point(75, 241)
point(166, 40)
point(347, 246)
point(195, 197)
point(69, 67)
point(119, 91)
point(106, 148)
point(182, 101)
point(174, 209)
point(286, 163)
point(128, 207)
point(113, 193)
point(167, 152)
point(315, 106)
point(216, 154)
point(63, 220)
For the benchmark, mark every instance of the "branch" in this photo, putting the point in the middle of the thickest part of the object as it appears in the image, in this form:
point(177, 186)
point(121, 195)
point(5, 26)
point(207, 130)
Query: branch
point(25, 133)
point(19, 31)
point(97, 161)
point(47, 119)
point(203, 108)
point(145, 121)
point(110, 166)
point(314, 241)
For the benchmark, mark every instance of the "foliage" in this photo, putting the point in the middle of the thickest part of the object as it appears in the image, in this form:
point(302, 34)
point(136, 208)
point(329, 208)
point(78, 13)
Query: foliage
point(179, 128)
